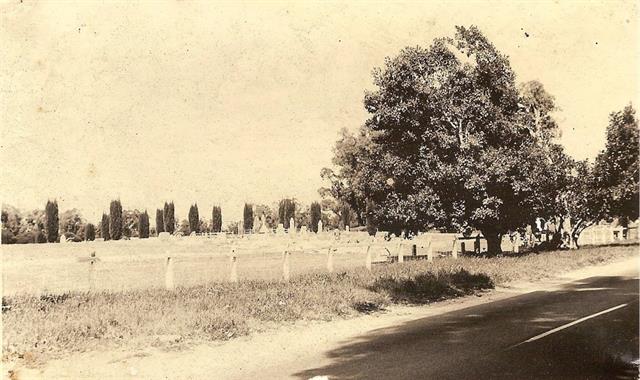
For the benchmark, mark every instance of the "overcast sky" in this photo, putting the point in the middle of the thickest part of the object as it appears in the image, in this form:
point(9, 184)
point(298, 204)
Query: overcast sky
point(222, 103)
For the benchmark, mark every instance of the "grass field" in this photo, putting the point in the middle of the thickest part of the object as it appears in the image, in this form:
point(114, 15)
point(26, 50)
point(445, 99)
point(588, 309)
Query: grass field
point(140, 264)
point(41, 327)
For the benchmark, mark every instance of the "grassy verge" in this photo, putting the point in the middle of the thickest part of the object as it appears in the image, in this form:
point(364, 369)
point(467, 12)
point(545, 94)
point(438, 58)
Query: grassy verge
point(38, 328)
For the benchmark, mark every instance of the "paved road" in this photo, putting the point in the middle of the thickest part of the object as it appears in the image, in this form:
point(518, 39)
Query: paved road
point(489, 341)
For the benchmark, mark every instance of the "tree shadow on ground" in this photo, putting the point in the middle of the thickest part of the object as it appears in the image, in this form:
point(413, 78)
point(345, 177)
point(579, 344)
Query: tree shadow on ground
point(478, 341)
point(429, 287)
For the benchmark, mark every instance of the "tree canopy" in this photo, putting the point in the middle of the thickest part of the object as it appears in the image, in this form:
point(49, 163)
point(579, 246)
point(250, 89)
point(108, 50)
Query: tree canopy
point(450, 141)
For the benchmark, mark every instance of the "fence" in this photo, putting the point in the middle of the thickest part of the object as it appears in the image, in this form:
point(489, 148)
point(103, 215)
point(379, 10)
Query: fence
point(151, 263)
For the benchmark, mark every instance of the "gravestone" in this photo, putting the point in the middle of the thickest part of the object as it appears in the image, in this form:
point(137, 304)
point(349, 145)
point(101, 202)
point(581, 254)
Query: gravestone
point(280, 229)
point(319, 226)
point(292, 226)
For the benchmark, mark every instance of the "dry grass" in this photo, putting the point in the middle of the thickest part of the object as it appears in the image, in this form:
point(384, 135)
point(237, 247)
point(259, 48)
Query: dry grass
point(52, 325)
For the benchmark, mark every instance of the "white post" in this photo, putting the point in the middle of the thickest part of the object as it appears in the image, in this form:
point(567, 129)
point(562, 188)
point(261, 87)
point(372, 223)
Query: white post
point(454, 249)
point(168, 275)
point(430, 249)
point(286, 268)
point(368, 260)
point(400, 253)
point(233, 276)
point(330, 260)
point(610, 233)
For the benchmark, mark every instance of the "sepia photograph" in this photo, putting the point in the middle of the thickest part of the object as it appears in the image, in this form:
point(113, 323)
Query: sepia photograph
point(320, 190)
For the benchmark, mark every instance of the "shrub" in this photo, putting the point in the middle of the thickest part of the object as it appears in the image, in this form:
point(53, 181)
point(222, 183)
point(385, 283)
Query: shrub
point(52, 222)
point(104, 227)
point(194, 219)
point(115, 220)
point(90, 232)
point(8, 237)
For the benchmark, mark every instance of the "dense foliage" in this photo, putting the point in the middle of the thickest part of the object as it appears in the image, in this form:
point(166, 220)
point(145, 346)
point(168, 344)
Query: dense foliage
point(159, 221)
point(194, 219)
point(247, 215)
point(104, 227)
point(315, 216)
point(115, 220)
point(143, 225)
point(89, 232)
point(169, 219)
point(286, 211)
point(51, 211)
point(216, 219)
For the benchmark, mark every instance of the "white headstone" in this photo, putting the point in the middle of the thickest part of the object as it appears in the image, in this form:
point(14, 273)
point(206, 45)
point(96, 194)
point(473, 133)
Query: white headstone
point(292, 226)
point(319, 226)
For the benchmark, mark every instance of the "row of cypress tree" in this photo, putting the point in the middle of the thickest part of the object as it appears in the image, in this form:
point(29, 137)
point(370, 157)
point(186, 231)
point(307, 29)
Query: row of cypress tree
point(111, 225)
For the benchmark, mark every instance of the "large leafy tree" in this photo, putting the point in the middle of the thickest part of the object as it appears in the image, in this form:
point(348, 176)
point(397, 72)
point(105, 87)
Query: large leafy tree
point(448, 141)
point(616, 168)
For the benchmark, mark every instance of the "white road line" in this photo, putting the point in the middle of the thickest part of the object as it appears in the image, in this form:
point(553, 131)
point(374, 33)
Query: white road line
point(570, 324)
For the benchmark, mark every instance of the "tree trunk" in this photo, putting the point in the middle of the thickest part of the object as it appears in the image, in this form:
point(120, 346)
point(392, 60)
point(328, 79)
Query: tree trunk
point(494, 240)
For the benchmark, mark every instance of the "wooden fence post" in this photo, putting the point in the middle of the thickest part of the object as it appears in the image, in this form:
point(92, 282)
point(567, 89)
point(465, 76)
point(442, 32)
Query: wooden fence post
point(454, 249)
point(462, 248)
point(330, 260)
point(168, 275)
point(286, 266)
point(368, 259)
point(430, 249)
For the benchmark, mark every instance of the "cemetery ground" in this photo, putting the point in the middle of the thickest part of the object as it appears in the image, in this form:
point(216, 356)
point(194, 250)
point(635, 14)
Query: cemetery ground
point(38, 328)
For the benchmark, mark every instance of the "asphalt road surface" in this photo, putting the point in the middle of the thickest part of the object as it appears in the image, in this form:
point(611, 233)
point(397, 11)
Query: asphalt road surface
point(587, 329)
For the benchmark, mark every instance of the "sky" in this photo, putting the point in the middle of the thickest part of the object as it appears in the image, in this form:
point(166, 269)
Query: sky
point(225, 103)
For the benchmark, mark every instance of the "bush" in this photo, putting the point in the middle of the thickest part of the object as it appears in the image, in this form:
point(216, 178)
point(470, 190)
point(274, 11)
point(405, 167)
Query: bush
point(90, 232)
point(52, 222)
point(115, 220)
point(8, 237)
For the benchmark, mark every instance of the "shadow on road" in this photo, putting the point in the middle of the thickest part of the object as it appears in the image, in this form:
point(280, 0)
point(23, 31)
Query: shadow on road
point(477, 342)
